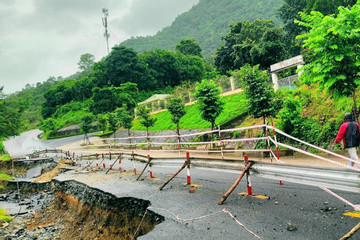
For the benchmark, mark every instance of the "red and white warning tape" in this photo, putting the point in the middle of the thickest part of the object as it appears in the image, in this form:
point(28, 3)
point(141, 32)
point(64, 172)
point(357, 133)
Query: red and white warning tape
point(208, 215)
point(356, 207)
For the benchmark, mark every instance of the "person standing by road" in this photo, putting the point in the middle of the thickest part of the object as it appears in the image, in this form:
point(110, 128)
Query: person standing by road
point(350, 133)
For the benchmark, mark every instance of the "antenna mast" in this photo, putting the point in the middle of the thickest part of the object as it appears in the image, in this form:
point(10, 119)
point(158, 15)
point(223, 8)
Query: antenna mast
point(104, 20)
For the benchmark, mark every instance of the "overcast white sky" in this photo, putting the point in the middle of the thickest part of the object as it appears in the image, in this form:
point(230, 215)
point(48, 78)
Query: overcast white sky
point(42, 38)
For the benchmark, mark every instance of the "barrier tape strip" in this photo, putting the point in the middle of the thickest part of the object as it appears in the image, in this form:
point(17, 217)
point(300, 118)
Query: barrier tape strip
point(243, 128)
point(139, 224)
point(356, 207)
point(192, 134)
point(311, 145)
point(244, 139)
point(196, 143)
point(276, 157)
point(316, 156)
point(208, 215)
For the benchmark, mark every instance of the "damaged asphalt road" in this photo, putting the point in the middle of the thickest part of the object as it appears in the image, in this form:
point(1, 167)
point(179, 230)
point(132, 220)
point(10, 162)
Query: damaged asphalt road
point(290, 211)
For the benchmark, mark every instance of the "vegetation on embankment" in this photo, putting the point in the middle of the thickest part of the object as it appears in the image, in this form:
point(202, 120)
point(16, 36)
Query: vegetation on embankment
point(234, 106)
point(3, 216)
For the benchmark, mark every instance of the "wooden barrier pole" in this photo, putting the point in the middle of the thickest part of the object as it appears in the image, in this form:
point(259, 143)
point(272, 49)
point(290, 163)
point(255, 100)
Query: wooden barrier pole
point(133, 159)
point(248, 181)
point(352, 231)
point(226, 195)
point(173, 176)
point(119, 157)
point(147, 164)
point(96, 157)
point(188, 177)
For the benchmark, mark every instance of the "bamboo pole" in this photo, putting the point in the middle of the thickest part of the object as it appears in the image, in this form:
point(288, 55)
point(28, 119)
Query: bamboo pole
point(352, 231)
point(147, 164)
point(113, 163)
point(174, 175)
point(226, 195)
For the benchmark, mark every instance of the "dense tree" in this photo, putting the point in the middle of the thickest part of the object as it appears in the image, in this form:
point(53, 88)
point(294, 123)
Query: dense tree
point(210, 105)
point(87, 60)
point(61, 94)
point(189, 46)
point(101, 122)
point(113, 122)
point(122, 65)
point(145, 119)
point(176, 108)
point(168, 68)
point(191, 68)
point(289, 12)
point(10, 120)
point(163, 66)
point(85, 126)
point(260, 95)
point(48, 125)
point(125, 118)
point(257, 42)
point(327, 7)
point(109, 98)
point(333, 44)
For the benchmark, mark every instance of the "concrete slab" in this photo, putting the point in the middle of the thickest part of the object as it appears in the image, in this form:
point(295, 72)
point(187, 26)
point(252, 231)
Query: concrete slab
point(34, 172)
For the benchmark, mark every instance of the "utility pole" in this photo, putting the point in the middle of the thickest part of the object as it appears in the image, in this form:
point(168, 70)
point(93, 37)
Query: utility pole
point(104, 20)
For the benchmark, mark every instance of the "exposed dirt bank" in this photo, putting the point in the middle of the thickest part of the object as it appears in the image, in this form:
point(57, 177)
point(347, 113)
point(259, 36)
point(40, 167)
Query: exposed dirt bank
point(74, 210)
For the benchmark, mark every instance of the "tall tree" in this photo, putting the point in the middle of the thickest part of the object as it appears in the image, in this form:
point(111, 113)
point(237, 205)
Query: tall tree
point(168, 68)
point(101, 122)
point(333, 44)
point(210, 105)
point(145, 119)
point(87, 60)
point(176, 108)
point(113, 122)
point(125, 118)
point(327, 7)
point(260, 95)
point(85, 126)
point(257, 42)
point(189, 46)
point(122, 65)
point(288, 12)
point(109, 98)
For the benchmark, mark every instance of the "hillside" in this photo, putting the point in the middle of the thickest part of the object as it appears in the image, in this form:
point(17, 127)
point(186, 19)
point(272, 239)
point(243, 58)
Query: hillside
point(235, 105)
point(207, 22)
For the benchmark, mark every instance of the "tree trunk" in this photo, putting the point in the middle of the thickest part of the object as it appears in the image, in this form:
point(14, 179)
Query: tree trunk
point(355, 107)
point(129, 135)
point(264, 121)
point(211, 135)
point(178, 129)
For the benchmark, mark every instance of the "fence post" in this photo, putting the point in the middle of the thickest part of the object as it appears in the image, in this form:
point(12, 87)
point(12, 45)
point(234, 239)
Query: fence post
point(133, 159)
point(277, 147)
point(268, 142)
point(221, 144)
point(178, 139)
point(232, 83)
point(150, 170)
point(188, 178)
point(248, 181)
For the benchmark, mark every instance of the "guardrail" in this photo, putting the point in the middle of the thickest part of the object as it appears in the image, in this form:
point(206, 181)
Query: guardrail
point(346, 178)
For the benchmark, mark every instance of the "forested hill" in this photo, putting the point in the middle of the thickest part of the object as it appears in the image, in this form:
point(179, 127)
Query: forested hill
point(207, 22)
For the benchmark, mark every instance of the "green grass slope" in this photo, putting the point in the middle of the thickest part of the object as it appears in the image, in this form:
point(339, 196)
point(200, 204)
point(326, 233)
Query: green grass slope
point(207, 22)
point(234, 106)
